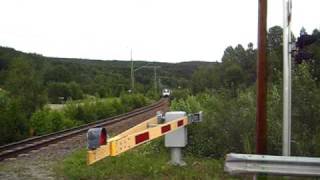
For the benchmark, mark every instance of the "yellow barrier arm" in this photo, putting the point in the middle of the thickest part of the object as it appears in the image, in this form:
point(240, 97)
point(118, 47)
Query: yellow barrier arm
point(135, 136)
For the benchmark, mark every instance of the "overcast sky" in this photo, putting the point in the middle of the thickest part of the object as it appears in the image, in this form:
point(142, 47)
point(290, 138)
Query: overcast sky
point(159, 30)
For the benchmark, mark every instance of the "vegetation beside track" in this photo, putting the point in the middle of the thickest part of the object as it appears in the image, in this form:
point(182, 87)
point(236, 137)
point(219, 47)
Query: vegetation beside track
point(150, 161)
point(74, 113)
point(224, 90)
point(228, 126)
point(46, 120)
point(29, 81)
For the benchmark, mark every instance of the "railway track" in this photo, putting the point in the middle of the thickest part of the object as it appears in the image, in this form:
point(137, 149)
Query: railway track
point(24, 146)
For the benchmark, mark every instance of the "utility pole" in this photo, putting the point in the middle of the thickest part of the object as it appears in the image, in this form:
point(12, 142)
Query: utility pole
point(132, 72)
point(155, 80)
point(159, 82)
point(146, 66)
point(155, 76)
point(286, 145)
point(261, 118)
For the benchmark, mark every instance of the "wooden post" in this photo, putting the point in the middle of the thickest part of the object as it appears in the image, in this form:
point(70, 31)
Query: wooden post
point(261, 118)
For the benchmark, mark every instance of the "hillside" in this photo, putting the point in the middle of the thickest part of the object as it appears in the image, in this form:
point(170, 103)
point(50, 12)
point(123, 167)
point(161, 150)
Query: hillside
point(95, 76)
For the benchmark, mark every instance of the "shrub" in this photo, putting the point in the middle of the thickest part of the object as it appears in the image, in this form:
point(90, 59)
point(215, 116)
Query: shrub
point(132, 101)
point(13, 126)
point(46, 121)
point(189, 105)
point(228, 124)
point(105, 109)
point(40, 123)
point(70, 90)
point(180, 93)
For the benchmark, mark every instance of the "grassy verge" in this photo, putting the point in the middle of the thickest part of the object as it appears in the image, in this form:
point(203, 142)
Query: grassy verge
point(149, 161)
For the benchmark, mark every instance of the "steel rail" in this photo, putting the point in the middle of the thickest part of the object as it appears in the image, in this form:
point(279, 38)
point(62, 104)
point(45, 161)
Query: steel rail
point(16, 148)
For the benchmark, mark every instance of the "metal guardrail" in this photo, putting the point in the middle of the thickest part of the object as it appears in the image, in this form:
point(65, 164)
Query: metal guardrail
point(274, 165)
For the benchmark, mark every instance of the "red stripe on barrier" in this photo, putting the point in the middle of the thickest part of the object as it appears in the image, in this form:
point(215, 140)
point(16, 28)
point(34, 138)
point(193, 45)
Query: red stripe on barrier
point(180, 123)
point(142, 137)
point(165, 129)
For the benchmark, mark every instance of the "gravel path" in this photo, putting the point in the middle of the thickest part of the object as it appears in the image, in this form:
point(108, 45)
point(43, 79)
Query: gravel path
point(39, 164)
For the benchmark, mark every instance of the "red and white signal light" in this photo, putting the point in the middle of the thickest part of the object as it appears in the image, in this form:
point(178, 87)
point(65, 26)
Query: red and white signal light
point(96, 138)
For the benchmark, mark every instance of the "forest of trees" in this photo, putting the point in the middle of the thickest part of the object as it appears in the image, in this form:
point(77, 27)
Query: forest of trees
point(224, 90)
point(30, 81)
point(72, 78)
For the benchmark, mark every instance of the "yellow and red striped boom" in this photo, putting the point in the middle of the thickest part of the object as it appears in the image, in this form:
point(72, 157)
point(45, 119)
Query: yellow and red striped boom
point(135, 136)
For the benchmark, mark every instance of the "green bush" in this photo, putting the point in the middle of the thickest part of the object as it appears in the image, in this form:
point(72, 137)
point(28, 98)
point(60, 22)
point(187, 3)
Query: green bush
point(229, 119)
point(57, 90)
point(89, 111)
point(228, 124)
point(13, 126)
point(118, 106)
point(189, 105)
point(105, 109)
point(305, 112)
point(132, 101)
point(46, 121)
point(180, 93)
point(40, 122)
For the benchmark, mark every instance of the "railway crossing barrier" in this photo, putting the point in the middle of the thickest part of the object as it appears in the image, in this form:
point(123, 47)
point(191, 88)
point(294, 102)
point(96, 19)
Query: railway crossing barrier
point(172, 125)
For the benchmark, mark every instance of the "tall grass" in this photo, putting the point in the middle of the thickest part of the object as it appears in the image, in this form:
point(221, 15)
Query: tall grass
point(145, 162)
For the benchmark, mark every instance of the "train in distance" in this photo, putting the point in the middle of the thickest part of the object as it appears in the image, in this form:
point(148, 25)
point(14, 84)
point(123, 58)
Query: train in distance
point(166, 92)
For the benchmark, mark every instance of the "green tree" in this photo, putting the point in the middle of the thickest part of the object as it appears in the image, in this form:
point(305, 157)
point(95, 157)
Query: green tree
point(75, 90)
point(305, 112)
point(25, 86)
point(46, 121)
point(13, 122)
point(58, 73)
point(274, 56)
point(58, 91)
